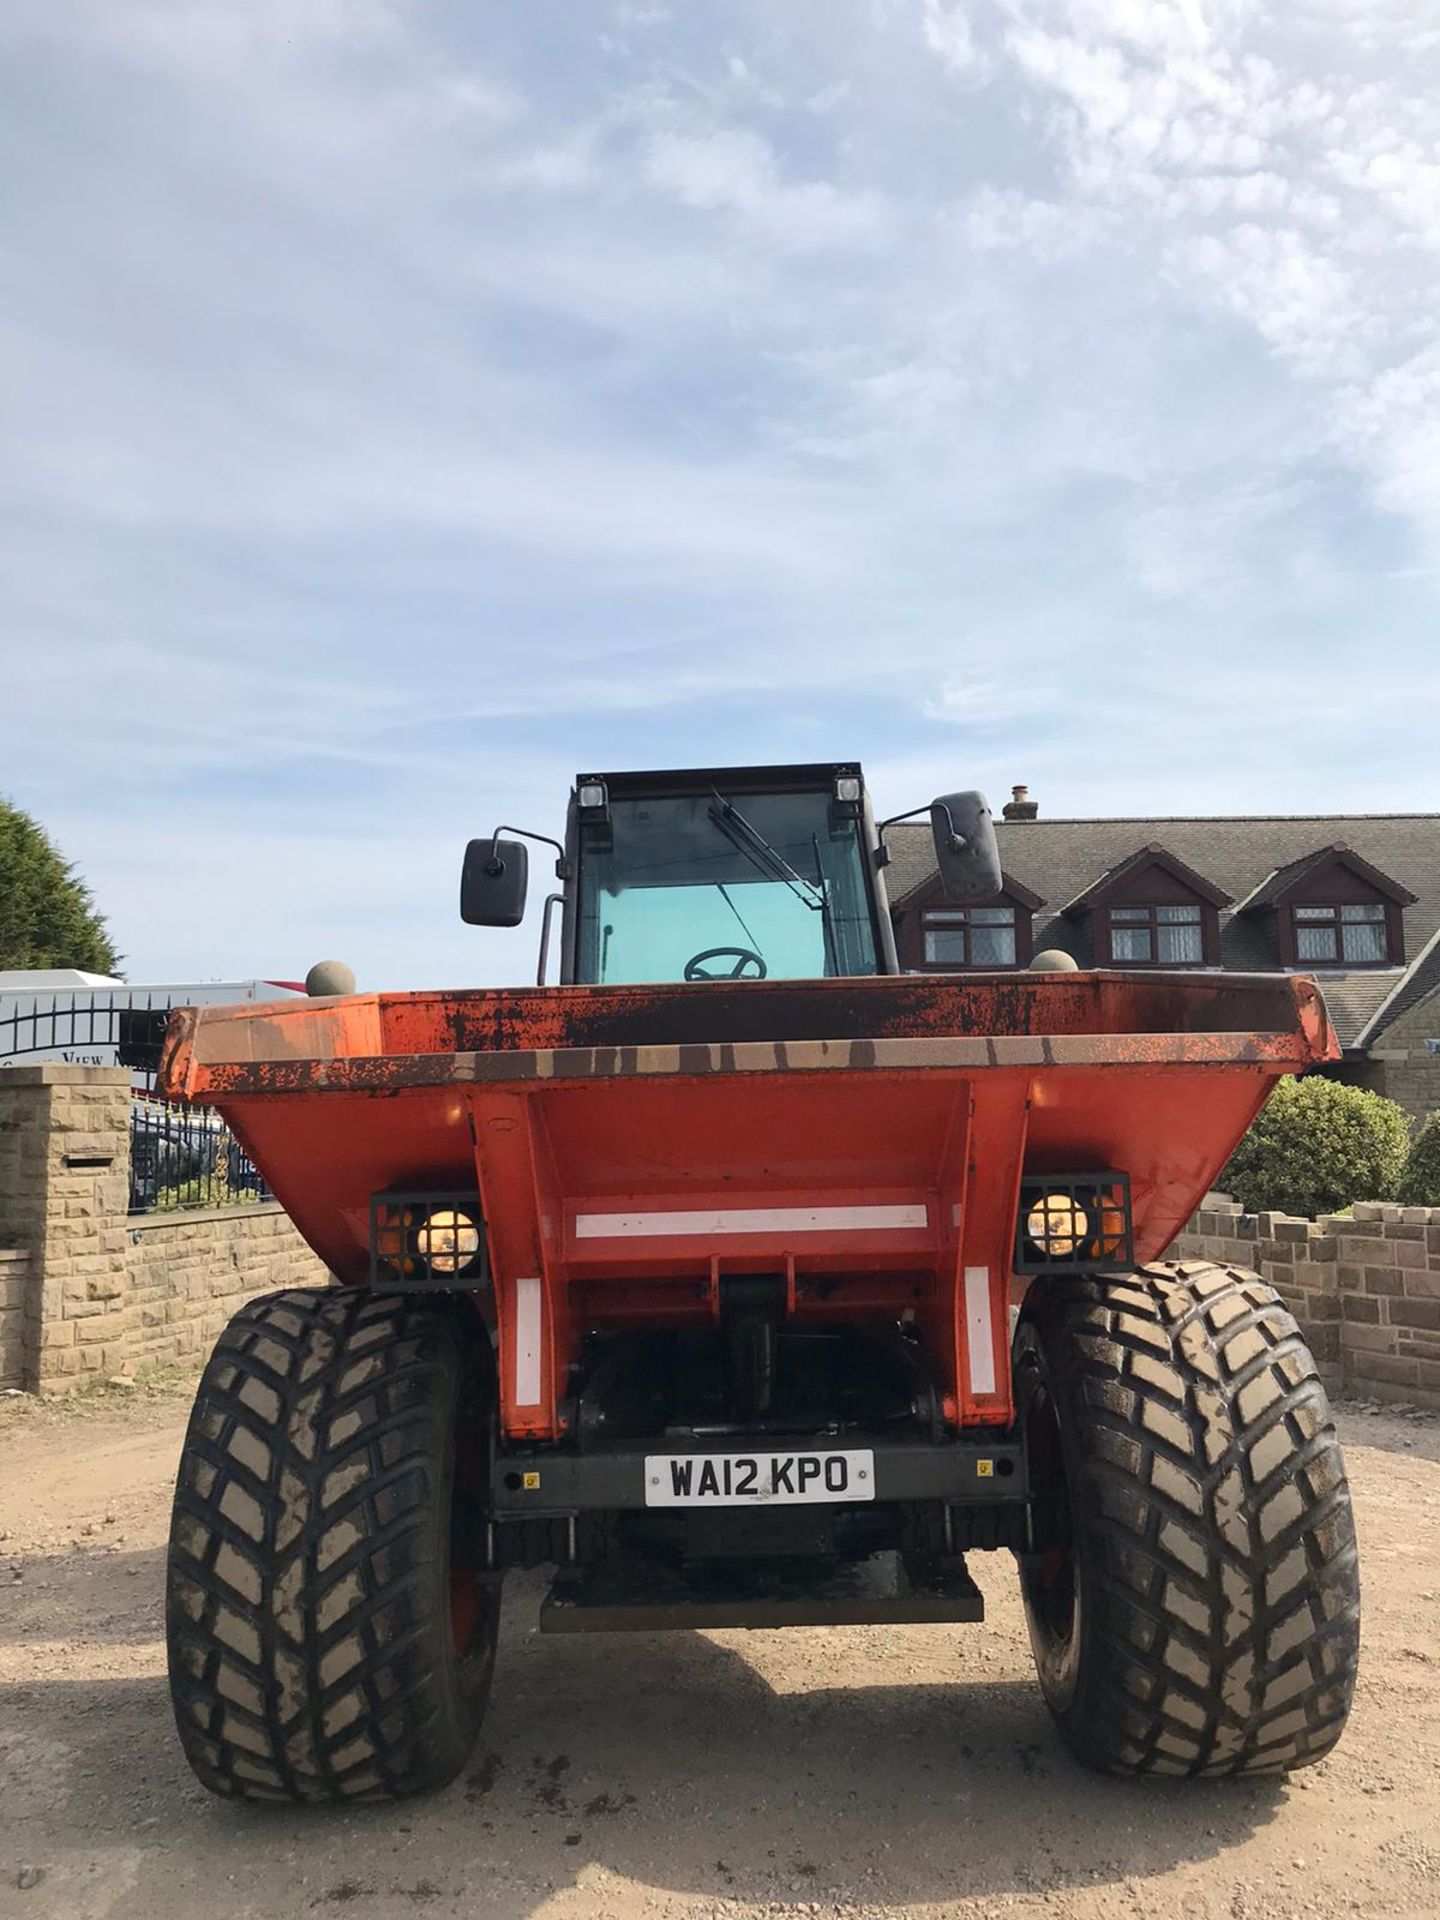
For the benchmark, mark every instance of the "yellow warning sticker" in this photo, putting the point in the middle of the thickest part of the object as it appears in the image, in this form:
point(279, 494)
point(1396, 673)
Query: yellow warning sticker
point(530, 1481)
point(985, 1469)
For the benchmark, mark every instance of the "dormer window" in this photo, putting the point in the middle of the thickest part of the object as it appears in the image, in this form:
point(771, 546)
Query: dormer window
point(1332, 908)
point(1354, 935)
point(1158, 936)
point(970, 937)
point(1152, 910)
point(936, 935)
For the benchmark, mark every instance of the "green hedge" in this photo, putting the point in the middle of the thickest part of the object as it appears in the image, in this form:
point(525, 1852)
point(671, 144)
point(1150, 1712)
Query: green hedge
point(1420, 1182)
point(1316, 1147)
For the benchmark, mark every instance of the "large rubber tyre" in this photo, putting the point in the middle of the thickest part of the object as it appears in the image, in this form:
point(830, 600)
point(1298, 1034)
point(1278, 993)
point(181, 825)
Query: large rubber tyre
point(329, 1636)
point(1198, 1609)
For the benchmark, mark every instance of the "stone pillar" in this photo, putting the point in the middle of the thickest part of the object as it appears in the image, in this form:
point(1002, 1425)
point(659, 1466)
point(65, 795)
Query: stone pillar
point(64, 1194)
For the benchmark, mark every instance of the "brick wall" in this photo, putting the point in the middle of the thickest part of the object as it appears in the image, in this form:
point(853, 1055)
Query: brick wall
point(1365, 1286)
point(90, 1291)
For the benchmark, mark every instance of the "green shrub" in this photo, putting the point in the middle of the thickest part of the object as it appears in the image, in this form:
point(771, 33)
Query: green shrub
point(1316, 1147)
point(1420, 1182)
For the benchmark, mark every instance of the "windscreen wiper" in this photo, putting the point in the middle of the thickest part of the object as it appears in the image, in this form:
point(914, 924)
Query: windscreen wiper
point(749, 841)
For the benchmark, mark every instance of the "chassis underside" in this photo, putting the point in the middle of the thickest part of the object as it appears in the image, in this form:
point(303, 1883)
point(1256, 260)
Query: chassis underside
point(656, 1514)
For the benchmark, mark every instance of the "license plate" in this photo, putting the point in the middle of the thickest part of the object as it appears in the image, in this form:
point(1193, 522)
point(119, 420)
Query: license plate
point(757, 1479)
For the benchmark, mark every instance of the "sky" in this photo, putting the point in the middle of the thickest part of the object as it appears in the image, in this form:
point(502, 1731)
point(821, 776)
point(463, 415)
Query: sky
point(404, 407)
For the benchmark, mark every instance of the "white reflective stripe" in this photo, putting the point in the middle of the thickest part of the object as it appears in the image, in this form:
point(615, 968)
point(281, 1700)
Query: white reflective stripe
point(527, 1343)
point(979, 1339)
point(640, 1226)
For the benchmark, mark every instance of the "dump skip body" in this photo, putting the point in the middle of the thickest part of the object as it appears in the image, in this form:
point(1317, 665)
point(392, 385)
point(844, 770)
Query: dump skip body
point(864, 1139)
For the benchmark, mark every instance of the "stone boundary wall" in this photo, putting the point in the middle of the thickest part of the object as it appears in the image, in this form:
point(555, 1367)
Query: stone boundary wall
point(88, 1290)
point(1365, 1286)
point(14, 1279)
point(184, 1274)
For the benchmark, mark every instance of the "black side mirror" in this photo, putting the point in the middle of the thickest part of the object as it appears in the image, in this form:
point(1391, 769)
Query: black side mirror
point(493, 882)
point(965, 849)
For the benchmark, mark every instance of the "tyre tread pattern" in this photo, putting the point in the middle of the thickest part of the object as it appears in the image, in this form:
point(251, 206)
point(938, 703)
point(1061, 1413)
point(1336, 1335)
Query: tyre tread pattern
point(304, 1661)
point(1224, 1583)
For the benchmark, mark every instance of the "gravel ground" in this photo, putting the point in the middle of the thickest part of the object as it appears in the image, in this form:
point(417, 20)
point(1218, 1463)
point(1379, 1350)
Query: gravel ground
point(855, 1770)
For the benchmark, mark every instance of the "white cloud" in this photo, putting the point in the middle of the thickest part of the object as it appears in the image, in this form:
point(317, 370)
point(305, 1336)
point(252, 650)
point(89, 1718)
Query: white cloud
point(475, 98)
point(1289, 181)
point(1303, 301)
point(559, 167)
point(736, 171)
point(1004, 219)
point(948, 33)
point(829, 98)
point(965, 700)
point(1204, 548)
point(1397, 418)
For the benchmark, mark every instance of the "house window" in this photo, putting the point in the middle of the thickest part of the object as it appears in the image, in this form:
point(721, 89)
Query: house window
point(1355, 936)
point(1157, 936)
point(970, 937)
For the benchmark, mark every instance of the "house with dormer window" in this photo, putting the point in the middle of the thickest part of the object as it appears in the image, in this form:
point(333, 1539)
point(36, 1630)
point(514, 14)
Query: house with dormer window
point(1353, 900)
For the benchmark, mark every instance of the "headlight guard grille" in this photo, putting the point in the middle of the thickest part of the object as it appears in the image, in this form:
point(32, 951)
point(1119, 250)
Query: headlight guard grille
point(1074, 1223)
point(428, 1243)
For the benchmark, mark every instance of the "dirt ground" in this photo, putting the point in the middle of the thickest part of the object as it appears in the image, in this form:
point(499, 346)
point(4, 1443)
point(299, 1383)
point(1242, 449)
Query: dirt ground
point(851, 1771)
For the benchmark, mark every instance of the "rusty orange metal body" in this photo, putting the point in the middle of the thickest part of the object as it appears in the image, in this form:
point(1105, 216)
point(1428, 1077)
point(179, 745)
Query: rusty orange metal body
point(634, 1145)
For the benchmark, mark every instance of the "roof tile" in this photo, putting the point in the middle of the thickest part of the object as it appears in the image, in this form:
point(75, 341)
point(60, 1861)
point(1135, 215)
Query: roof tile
point(1060, 859)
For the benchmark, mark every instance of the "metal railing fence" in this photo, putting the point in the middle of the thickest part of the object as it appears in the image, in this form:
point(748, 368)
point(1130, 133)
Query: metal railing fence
point(184, 1156)
point(180, 1155)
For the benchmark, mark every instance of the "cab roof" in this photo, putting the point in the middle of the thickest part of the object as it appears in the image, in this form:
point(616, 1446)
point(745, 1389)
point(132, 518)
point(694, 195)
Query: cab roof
point(818, 776)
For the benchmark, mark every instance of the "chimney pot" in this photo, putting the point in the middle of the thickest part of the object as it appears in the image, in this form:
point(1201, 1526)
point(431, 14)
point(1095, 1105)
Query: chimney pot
point(1020, 806)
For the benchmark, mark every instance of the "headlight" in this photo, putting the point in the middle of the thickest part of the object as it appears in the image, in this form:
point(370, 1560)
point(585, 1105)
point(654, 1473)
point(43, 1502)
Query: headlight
point(1074, 1223)
point(420, 1240)
point(447, 1241)
point(1059, 1224)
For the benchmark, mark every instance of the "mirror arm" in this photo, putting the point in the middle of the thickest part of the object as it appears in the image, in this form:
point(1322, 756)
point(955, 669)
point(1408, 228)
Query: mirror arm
point(882, 851)
point(562, 865)
point(896, 818)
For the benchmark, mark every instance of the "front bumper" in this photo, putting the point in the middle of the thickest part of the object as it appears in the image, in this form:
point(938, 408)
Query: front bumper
point(970, 1469)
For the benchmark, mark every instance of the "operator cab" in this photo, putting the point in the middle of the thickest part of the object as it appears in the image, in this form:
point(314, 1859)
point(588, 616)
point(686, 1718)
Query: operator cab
point(731, 873)
point(735, 874)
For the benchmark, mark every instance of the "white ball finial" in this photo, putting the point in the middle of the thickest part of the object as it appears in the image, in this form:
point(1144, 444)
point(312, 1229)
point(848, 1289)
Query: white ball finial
point(329, 977)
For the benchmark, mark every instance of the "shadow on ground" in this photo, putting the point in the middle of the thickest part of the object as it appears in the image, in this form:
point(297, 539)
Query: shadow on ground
point(88, 1595)
point(667, 1759)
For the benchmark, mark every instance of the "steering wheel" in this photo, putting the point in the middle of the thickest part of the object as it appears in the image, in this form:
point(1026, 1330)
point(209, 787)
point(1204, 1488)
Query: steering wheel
point(742, 956)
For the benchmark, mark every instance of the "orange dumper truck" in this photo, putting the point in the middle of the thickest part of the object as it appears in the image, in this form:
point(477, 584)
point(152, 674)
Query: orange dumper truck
point(748, 1282)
